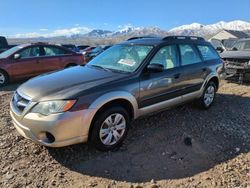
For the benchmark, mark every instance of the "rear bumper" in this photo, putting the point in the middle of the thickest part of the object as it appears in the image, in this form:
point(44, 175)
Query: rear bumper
point(66, 128)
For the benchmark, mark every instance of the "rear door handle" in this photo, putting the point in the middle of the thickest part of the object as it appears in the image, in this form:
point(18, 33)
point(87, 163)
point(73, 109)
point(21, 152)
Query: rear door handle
point(176, 76)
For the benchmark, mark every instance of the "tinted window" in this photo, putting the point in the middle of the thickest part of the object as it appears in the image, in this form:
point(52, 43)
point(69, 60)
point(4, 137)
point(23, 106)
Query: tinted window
point(167, 57)
point(30, 52)
point(53, 51)
point(188, 55)
point(207, 52)
point(247, 45)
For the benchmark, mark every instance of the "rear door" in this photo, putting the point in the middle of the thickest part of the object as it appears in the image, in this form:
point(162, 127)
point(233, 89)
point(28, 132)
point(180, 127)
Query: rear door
point(162, 86)
point(194, 70)
point(27, 65)
point(51, 58)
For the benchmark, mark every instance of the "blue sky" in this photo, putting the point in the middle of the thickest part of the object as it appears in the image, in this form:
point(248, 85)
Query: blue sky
point(44, 16)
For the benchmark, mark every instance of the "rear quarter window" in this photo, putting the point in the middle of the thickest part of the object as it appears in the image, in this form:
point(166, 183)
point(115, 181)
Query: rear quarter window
point(207, 52)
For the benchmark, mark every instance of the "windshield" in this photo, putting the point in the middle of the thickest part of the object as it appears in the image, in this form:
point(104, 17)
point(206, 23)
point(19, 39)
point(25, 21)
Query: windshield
point(122, 58)
point(242, 45)
point(10, 51)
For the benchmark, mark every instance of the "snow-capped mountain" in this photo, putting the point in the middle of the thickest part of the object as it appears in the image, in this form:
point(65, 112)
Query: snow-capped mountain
point(131, 31)
point(98, 33)
point(202, 30)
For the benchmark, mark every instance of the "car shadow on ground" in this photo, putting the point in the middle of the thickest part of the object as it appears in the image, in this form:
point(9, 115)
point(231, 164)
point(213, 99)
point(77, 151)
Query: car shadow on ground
point(156, 146)
point(11, 87)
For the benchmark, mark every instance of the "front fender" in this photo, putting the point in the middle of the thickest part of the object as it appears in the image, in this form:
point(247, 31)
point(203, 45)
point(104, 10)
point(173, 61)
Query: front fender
point(108, 97)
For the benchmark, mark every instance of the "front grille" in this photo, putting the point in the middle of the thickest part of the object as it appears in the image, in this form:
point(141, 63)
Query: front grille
point(236, 63)
point(20, 102)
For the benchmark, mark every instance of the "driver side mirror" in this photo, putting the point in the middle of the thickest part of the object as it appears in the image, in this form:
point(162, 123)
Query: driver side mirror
point(17, 56)
point(155, 68)
point(220, 49)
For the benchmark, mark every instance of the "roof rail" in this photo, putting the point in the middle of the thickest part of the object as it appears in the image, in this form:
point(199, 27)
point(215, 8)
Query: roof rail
point(142, 37)
point(183, 38)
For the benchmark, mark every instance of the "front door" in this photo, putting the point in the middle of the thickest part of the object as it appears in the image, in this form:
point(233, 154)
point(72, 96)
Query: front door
point(161, 86)
point(27, 65)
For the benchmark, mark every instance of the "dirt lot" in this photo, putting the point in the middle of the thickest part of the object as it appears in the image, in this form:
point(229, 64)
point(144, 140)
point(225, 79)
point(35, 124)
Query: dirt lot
point(153, 155)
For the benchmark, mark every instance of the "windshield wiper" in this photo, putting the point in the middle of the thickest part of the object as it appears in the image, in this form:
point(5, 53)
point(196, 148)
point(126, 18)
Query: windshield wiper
point(100, 67)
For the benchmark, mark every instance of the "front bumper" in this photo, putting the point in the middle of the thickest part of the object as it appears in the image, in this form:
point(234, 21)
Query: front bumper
point(67, 128)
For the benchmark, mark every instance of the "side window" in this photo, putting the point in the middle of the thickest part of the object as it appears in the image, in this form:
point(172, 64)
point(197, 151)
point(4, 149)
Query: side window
point(53, 51)
point(188, 55)
point(166, 56)
point(207, 52)
point(30, 52)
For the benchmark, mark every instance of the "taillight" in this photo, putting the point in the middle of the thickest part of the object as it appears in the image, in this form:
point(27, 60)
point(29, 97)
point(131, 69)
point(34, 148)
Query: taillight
point(83, 59)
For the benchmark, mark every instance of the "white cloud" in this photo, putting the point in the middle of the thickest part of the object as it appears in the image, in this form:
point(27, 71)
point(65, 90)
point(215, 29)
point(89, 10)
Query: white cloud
point(55, 33)
point(26, 35)
point(43, 29)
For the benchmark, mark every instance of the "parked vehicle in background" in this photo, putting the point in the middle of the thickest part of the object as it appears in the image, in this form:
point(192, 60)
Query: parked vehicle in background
point(82, 47)
point(98, 101)
point(96, 51)
point(72, 47)
point(237, 60)
point(87, 50)
point(229, 43)
point(3, 44)
point(217, 44)
point(28, 60)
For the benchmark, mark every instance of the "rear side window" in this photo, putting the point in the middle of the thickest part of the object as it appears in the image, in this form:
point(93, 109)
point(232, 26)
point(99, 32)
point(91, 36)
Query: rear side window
point(188, 55)
point(207, 52)
point(53, 51)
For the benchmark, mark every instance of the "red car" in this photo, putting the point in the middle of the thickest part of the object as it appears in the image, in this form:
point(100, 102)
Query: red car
point(28, 60)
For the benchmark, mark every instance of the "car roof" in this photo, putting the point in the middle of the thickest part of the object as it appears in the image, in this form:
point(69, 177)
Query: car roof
point(158, 40)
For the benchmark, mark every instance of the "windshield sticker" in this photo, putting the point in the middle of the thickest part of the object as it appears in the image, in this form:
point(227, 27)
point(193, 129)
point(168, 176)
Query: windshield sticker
point(127, 62)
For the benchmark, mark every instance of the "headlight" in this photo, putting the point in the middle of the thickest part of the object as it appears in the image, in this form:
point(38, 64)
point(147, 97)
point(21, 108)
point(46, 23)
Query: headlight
point(249, 62)
point(51, 107)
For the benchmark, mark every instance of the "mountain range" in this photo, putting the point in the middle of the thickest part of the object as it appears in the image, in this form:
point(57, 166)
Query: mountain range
point(129, 31)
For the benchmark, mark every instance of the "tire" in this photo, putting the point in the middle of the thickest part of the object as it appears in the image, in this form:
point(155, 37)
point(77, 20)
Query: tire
point(106, 134)
point(208, 96)
point(4, 79)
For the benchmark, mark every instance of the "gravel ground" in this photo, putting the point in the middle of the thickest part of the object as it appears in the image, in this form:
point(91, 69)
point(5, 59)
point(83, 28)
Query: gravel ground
point(216, 153)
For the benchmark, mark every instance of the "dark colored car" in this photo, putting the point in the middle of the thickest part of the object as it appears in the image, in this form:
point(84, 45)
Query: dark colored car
point(237, 60)
point(96, 51)
point(97, 102)
point(71, 47)
point(87, 50)
point(30, 60)
point(3, 44)
point(82, 47)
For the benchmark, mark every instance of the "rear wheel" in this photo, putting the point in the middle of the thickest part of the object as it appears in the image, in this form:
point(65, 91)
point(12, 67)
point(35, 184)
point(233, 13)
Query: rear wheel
point(208, 96)
point(110, 128)
point(3, 78)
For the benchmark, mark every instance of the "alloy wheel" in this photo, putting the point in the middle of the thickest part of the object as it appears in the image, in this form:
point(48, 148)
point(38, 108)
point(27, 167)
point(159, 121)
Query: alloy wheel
point(112, 129)
point(2, 78)
point(209, 95)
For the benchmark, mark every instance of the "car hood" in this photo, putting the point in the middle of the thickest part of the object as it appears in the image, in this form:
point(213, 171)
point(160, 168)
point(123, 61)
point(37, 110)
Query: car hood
point(66, 84)
point(236, 54)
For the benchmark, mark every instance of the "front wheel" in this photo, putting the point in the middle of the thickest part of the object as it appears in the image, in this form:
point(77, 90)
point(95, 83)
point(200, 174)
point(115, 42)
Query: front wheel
point(3, 78)
point(208, 96)
point(110, 128)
